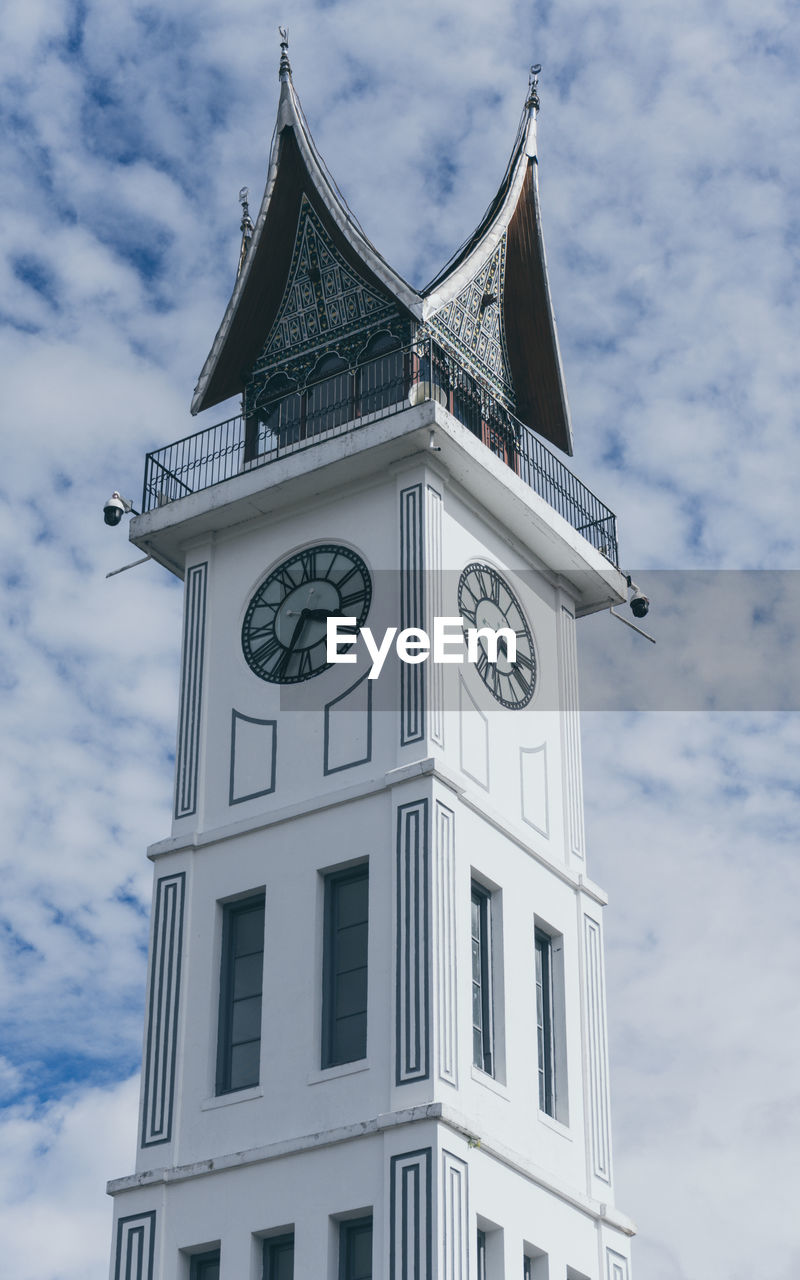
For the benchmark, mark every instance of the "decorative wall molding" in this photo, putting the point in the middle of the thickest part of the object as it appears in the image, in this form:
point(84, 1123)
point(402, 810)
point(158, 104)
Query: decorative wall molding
point(135, 1252)
point(413, 977)
point(161, 1040)
point(533, 788)
point(253, 757)
point(445, 988)
point(410, 1216)
point(348, 728)
point(596, 1041)
point(434, 607)
point(473, 326)
point(570, 733)
point(454, 1226)
point(616, 1265)
point(473, 728)
point(412, 611)
point(188, 752)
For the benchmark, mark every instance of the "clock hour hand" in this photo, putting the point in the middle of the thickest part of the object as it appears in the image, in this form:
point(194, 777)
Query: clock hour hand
point(298, 627)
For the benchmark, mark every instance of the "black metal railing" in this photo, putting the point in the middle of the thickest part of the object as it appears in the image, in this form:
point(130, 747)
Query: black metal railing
point(349, 400)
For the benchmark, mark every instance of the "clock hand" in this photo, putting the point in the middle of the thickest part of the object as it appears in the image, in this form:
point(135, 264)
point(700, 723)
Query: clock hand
point(301, 622)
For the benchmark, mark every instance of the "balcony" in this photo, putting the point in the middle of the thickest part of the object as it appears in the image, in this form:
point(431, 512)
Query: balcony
point(349, 399)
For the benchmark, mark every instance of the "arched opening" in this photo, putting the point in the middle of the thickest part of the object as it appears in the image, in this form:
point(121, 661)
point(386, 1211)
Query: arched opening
point(381, 375)
point(329, 396)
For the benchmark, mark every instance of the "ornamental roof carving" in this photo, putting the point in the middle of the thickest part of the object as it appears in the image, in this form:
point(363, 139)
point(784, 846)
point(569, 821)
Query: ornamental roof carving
point(325, 298)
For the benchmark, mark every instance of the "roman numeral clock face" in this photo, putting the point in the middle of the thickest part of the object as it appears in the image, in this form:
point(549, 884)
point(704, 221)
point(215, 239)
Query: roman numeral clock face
point(284, 628)
point(486, 600)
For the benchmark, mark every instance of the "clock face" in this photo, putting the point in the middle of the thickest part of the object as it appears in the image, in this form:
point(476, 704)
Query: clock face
point(284, 628)
point(486, 600)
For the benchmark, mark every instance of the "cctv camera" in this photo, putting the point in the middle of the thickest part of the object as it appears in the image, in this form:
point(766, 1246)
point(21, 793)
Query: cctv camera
point(640, 606)
point(114, 509)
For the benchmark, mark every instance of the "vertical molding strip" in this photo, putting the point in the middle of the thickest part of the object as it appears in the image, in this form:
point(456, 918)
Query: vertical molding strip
point(412, 612)
point(136, 1241)
point(454, 1232)
point(412, 1035)
point(446, 1000)
point(597, 1049)
point(194, 634)
point(162, 1011)
point(410, 1217)
point(570, 733)
point(434, 608)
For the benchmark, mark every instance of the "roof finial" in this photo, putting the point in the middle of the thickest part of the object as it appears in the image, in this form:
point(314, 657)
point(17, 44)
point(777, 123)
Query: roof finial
point(533, 86)
point(285, 69)
point(246, 228)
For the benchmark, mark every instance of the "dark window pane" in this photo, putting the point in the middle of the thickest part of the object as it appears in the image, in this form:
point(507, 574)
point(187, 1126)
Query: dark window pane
point(351, 902)
point(355, 1250)
point(352, 946)
point(205, 1266)
point(344, 1004)
point(247, 975)
point(351, 993)
point(246, 1023)
point(238, 1046)
point(279, 1258)
point(349, 1039)
point(249, 931)
point(245, 1060)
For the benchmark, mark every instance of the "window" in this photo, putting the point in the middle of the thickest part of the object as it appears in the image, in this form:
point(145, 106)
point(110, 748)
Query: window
point(544, 1023)
point(550, 1028)
point(239, 1039)
point(482, 1028)
point(344, 979)
point(527, 1268)
point(481, 1254)
point(355, 1249)
point(279, 1258)
point(205, 1266)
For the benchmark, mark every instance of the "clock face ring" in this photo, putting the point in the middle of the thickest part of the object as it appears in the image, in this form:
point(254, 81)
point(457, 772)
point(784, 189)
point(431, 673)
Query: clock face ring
point(485, 600)
point(285, 624)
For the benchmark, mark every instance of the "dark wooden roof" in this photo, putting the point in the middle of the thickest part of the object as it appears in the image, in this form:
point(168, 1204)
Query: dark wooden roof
point(530, 324)
point(295, 169)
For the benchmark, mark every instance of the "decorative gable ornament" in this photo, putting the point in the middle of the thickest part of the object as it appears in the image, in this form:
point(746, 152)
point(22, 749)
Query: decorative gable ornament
point(327, 305)
point(472, 326)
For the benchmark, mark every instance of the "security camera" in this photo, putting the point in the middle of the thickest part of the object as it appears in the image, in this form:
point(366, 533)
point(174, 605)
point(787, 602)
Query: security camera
point(640, 606)
point(116, 508)
point(638, 602)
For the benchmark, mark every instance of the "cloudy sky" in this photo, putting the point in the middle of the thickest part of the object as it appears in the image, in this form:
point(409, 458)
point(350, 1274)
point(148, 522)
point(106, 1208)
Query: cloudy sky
point(669, 176)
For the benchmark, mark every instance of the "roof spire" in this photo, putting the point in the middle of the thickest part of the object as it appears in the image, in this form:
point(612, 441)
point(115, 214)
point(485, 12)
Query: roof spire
point(532, 103)
point(246, 228)
point(285, 70)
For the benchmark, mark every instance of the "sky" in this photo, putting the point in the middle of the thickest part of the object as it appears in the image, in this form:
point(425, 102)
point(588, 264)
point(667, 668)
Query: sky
point(669, 175)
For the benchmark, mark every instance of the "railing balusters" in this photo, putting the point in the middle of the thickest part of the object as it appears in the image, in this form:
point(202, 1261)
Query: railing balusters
point(220, 452)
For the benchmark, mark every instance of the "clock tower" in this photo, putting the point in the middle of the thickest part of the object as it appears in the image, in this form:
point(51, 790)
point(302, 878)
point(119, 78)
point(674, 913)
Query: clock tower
point(375, 1040)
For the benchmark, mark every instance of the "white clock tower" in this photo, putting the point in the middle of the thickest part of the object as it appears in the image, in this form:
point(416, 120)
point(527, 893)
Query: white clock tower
point(375, 1040)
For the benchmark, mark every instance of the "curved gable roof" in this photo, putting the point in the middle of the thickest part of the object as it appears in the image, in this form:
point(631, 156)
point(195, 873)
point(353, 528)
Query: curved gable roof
point(511, 227)
point(296, 173)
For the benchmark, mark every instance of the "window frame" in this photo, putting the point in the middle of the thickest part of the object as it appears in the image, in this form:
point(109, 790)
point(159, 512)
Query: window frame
point(551, 1046)
point(545, 1035)
point(486, 1061)
point(348, 1228)
point(197, 1261)
point(481, 1254)
point(333, 881)
point(270, 1246)
point(231, 913)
